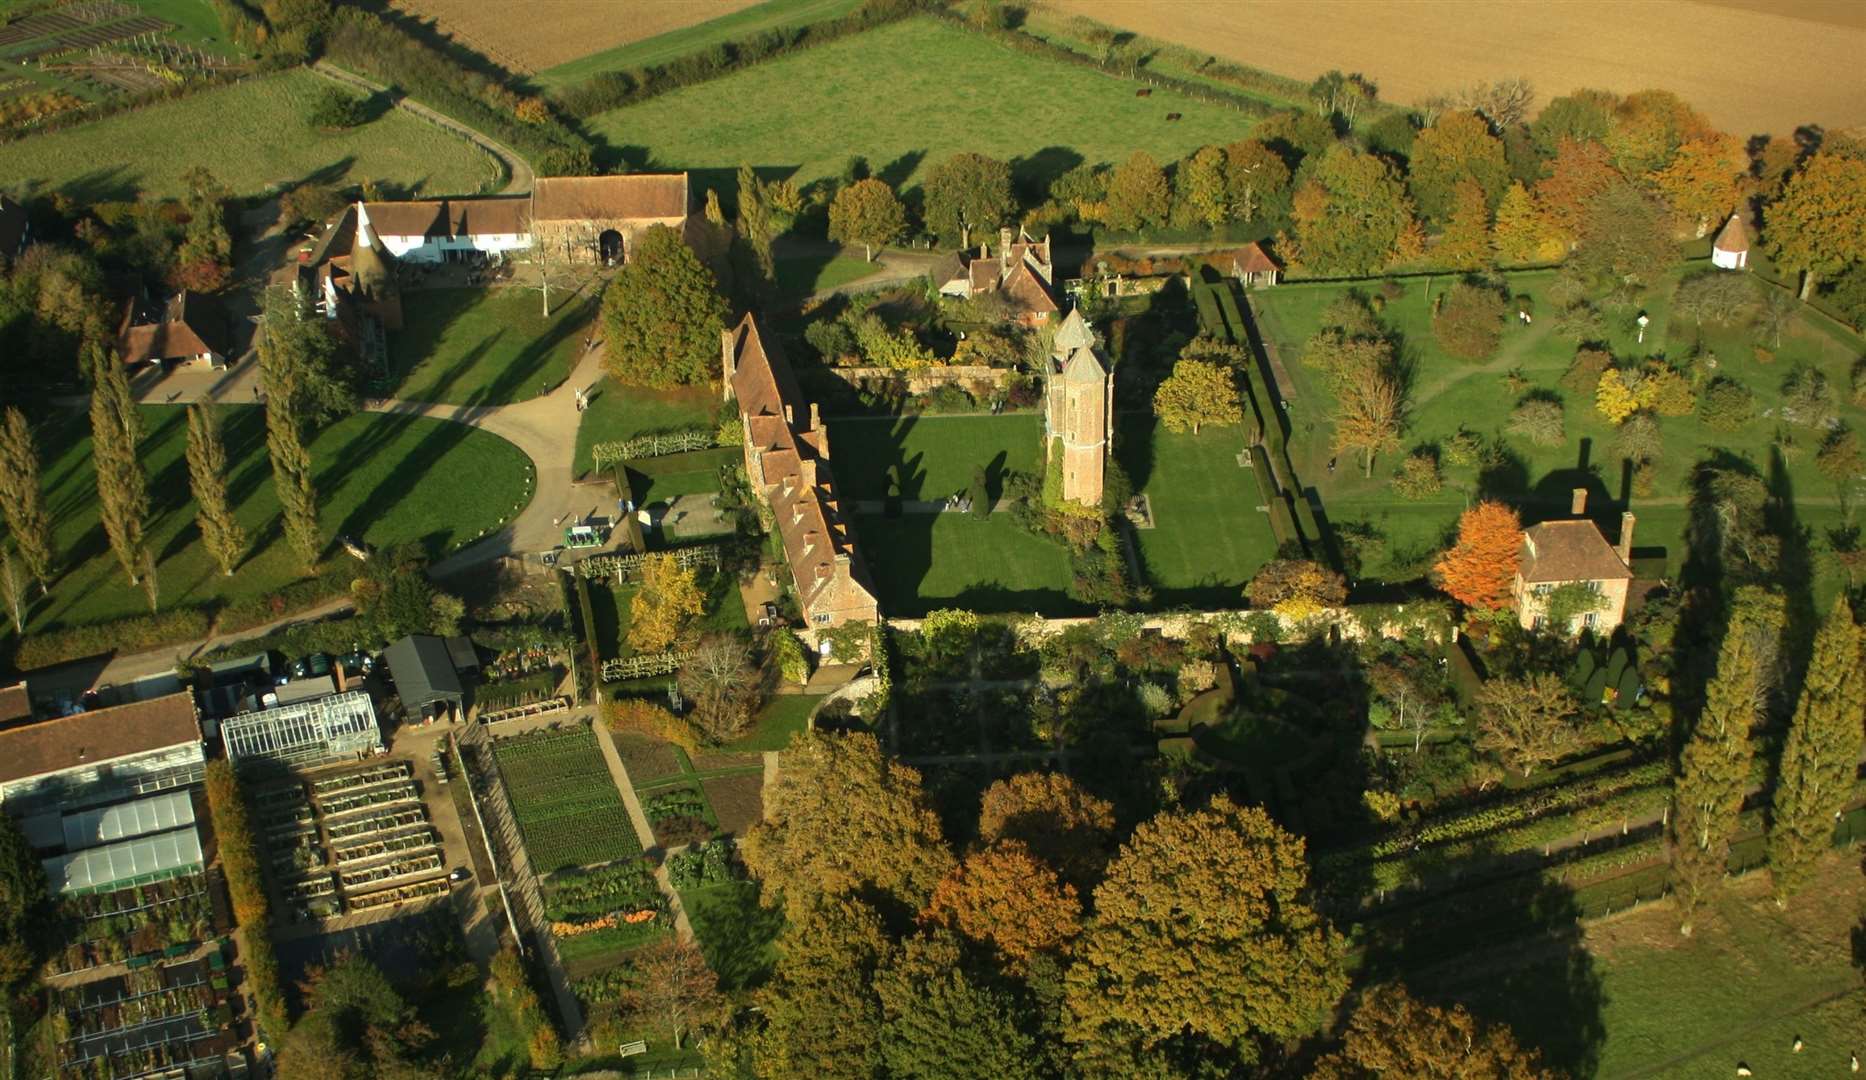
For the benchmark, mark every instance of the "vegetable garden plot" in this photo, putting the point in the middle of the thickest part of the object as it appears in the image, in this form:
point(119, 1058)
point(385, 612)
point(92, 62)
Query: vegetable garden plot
point(567, 805)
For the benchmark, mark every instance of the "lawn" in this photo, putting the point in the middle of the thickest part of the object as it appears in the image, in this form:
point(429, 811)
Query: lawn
point(770, 15)
point(487, 346)
point(1208, 536)
point(799, 276)
point(195, 22)
point(696, 472)
point(567, 804)
point(385, 479)
point(1448, 394)
point(936, 455)
point(927, 561)
point(735, 932)
point(253, 137)
point(783, 716)
point(905, 96)
point(622, 412)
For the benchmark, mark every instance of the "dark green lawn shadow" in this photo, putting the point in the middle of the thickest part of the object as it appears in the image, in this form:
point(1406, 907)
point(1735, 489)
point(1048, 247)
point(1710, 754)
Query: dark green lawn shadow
point(736, 938)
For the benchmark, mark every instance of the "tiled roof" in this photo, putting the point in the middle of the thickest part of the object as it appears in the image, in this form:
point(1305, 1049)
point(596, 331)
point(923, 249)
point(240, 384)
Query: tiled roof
point(794, 457)
point(1735, 235)
point(1562, 551)
point(14, 703)
point(1252, 260)
point(1028, 291)
point(188, 325)
point(414, 218)
point(489, 217)
point(67, 742)
point(595, 198)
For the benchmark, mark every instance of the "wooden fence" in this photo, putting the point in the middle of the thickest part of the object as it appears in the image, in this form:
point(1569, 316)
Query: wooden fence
point(655, 444)
point(643, 667)
point(628, 567)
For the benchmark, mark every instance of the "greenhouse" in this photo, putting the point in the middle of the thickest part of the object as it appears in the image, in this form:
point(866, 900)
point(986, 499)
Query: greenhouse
point(336, 728)
point(124, 821)
point(147, 858)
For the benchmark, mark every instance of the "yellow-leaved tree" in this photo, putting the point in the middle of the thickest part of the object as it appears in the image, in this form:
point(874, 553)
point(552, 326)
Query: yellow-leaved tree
point(664, 607)
point(1614, 399)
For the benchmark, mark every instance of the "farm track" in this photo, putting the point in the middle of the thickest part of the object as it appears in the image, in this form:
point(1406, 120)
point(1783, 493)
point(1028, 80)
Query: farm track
point(518, 174)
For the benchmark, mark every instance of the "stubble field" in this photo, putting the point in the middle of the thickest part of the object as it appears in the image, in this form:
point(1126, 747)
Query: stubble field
point(526, 37)
point(1750, 70)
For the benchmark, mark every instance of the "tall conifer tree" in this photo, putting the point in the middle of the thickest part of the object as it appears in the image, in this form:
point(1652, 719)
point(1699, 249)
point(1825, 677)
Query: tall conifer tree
point(221, 533)
point(22, 499)
point(1714, 768)
point(1821, 755)
point(282, 368)
point(122, 486)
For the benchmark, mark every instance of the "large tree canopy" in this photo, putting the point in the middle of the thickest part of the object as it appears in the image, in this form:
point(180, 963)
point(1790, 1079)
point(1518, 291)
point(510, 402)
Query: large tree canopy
point(810, 843)
point(1392, 1034)
point(1203, 929)
point(968, 191)
point(662, 315)
point(1351, 214)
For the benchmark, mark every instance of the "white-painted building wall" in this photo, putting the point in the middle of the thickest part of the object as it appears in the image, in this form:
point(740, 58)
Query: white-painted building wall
point(433, 249)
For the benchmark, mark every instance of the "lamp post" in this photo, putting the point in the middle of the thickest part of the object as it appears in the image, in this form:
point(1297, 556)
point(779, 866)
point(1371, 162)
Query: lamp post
point(1642, 321)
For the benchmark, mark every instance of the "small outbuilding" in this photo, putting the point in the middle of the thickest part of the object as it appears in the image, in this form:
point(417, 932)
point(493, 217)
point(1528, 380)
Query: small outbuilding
point(187, 328)
point(1254, 267)
point(431, 673)
point(1731, 249)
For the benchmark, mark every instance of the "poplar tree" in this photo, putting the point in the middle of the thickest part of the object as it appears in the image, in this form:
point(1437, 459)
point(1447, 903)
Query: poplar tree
point(1821, 754)
point(221, 533)
point(1713, 772)
point(14, 586)
point(122, 486)
point(291, 463)
point(22, 499)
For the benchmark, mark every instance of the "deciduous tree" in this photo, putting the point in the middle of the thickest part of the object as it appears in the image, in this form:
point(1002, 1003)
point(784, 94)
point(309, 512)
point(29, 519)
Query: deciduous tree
point(804, 847)
point(1296, 588)
point(1465, 243)
point(1220, 892)
point(665, 605)
point(122, 486)
point(283, 369)
point(1004, 897)
point(1370, 412)
point(1469, 321)
point(1393, 1034)
point(722, 684)
point(1713, 770)
point(968, 191)
point(1580, 171)
point(221, 533)
point(1138, 197)
point(1527, 722)
point(1054, 818)
point(1626, 236)
point(1647, 128)
point(1200, 193)
point(822, 1016)
point(1540, 420)
point(942, 1020)
point(1253, 173)
point(1522, 234)
point(1195, 394)
point(868, 213)
point(1459, 147)
point(662, 315)
point(671, 987)
point(1478, 570)
point(1818, 225)
point(22, 499)
point(13, 586)
point(1351, 214)
point(1821, 755)
point(1705, 180)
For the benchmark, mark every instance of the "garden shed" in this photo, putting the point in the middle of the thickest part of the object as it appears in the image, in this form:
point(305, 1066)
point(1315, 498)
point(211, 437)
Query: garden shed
point(431, 672)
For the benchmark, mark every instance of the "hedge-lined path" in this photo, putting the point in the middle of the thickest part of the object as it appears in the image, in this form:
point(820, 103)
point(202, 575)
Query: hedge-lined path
point(618, 773)
point(518, 174)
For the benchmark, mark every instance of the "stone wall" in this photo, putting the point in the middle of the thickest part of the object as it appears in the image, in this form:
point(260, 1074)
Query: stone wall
point(924, 380)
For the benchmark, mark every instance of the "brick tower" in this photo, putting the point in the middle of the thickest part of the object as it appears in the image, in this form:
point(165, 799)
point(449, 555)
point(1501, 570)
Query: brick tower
point(1078, 409)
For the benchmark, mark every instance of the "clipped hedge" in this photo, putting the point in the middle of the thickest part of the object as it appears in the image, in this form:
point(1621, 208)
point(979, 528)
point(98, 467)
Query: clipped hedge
point(239, 863)
point(134, 634)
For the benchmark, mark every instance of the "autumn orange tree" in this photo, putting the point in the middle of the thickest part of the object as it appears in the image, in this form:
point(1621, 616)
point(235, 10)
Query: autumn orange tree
point(1203, 935)
point(1478, 569)
point(1580, 171)
point(1456, 149)
point(1465, 243)
point(1004, 897)
point(1055, 819)
point(868, 213)
point(1818, 225)
point(671, 987)
point(1392, 1033)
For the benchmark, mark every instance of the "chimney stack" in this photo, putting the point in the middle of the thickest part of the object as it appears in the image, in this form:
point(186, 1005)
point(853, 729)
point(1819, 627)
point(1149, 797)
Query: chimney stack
point(1004, 253)
point(790, 418)
point(1626, 538)
point(814, 420)
point(1579, 508)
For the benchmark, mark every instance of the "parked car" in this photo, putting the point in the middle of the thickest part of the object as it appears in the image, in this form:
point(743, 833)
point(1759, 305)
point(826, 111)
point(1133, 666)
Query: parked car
point(460, 873)
point(311, 667)
point(356, 663)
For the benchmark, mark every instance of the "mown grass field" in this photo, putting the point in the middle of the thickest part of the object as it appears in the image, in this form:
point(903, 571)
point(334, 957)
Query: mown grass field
point(621, 412)
point(252, 136)
point(385, 479)
point(643, 51)
point(1448, 394)
point(487, 346)
point(935, 455)
point(927, 561)
point(904, 96)
point(1208, 536)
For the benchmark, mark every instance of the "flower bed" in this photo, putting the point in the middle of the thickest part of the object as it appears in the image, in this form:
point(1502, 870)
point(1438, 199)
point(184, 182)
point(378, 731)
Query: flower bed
point(679, 815)
point(712, 863)
point(604, 909)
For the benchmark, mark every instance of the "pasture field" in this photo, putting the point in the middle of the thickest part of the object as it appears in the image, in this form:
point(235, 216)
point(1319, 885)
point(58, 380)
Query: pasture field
point(1798, 64)
point(567, 804)
point(259, 140)
point(480, 346)
point(1447, 394)
point(384, 479)
point(667, 29)
point(905, 96)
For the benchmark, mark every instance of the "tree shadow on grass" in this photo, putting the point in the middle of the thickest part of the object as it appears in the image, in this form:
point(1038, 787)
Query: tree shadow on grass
point(736, 937)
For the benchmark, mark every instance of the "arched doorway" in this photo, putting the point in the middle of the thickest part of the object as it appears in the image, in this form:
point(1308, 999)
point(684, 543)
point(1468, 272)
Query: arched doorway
point(609, 247)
